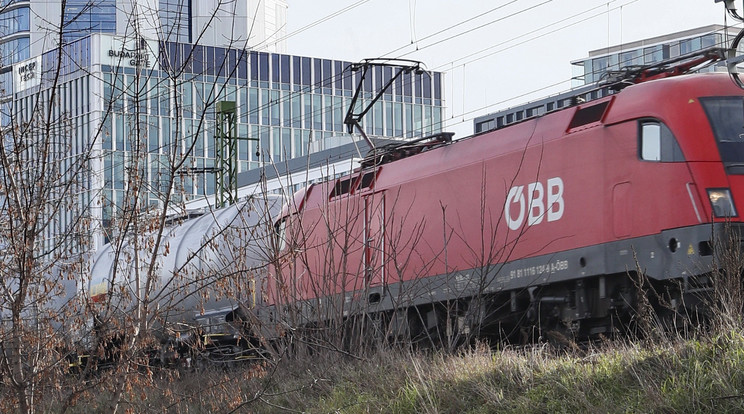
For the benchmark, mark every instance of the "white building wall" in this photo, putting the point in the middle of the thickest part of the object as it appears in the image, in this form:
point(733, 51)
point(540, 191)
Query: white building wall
point(94, 127)
point(219, 23)
point(232, 24)
point(270, 26)
point(137, 16)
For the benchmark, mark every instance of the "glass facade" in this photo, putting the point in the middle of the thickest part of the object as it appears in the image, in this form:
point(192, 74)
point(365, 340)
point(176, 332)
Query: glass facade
point(14, 21)
point(14, 24)
point(290, 105)
point(82, 17)
point(15, 50)
point(282, 101)
point(595, 69)
point(175, 20)
point(69, 139)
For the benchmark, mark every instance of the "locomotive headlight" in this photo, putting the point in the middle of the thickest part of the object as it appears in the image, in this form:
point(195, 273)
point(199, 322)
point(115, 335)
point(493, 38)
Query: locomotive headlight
point(721, 202)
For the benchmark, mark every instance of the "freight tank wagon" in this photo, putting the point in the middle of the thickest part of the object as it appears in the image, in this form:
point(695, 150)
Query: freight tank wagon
point(208, 273)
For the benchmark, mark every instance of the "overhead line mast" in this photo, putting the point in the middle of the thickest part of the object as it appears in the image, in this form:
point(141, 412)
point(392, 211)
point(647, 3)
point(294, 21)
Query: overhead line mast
point(226, 142)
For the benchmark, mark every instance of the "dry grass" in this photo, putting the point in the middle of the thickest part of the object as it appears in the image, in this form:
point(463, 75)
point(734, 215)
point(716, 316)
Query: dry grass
point(705, 375)
point(661, 372)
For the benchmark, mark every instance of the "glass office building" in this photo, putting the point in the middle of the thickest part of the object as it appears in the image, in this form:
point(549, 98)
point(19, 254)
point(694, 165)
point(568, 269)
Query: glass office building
point(30, 27)
point(176, 20)
point(166, 95)
point(79, 18)
point(648, 51)
point(594, 68)
point(82, 17)
point(15, 31)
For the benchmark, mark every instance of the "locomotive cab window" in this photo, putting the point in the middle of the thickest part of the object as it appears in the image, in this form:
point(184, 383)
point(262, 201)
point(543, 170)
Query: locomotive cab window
point(657, 143)
point(726, 117)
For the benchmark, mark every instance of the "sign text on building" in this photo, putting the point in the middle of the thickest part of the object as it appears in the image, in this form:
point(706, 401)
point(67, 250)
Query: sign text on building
point(27, 74)
point(134, 52)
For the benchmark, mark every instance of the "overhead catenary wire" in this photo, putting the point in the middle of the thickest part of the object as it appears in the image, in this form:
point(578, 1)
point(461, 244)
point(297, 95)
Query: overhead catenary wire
point(458, 24)
point(523, 41)
point(452, 67)
point(491, 22)
point(454, 36)
point(266, 43)
point(310, 87)
point(455, 25)
point(320, 110)
point(263, 106)
point(360, 2)
point(451, 63)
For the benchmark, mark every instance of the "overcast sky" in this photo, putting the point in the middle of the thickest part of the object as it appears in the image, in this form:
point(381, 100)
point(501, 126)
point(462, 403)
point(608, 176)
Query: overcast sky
point(495, 54)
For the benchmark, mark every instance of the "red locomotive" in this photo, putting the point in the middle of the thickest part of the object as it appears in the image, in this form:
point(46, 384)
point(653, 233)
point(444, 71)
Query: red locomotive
point(543, 223)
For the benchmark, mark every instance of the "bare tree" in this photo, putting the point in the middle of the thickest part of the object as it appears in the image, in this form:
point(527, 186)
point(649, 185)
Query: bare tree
point(54, 165)
point(46, 218)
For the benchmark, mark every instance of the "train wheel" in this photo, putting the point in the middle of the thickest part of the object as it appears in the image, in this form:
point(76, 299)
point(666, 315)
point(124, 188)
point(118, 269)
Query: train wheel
point(437, 326)
point(425, 327)
point(559, 335)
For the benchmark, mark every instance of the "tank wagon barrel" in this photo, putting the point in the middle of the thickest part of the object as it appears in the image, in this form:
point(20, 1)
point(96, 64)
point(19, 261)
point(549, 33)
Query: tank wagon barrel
point(206, 270)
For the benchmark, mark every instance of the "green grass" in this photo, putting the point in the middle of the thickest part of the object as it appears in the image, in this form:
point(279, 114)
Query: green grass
point(696, 376)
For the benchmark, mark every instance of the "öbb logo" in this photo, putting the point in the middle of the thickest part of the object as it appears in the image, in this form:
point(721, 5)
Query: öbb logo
point(533, 205)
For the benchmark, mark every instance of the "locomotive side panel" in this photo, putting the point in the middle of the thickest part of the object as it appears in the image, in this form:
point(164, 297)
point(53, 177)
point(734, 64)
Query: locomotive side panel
point(647, 197)
point(656, 197)
point(562, 181)
point(535, 201)
point(325, 246)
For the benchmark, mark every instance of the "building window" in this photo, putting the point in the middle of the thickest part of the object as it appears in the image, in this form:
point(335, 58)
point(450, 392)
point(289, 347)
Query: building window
point(599, 67)
point(275, 71)
point(306, 72)
point(84, 16)
point(485, 126)
point(284, 68)
point(14, 21)
point(653, 54)
point(296, 111)
point(16, 50)
point(327, 76)
point(175, 20)
point(708, 40)
point(339, 78)
point(631, 58)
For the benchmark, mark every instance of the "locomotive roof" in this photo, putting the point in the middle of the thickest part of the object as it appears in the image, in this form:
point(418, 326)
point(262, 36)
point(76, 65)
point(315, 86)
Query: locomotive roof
point(614, 81)
point(635, 95)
